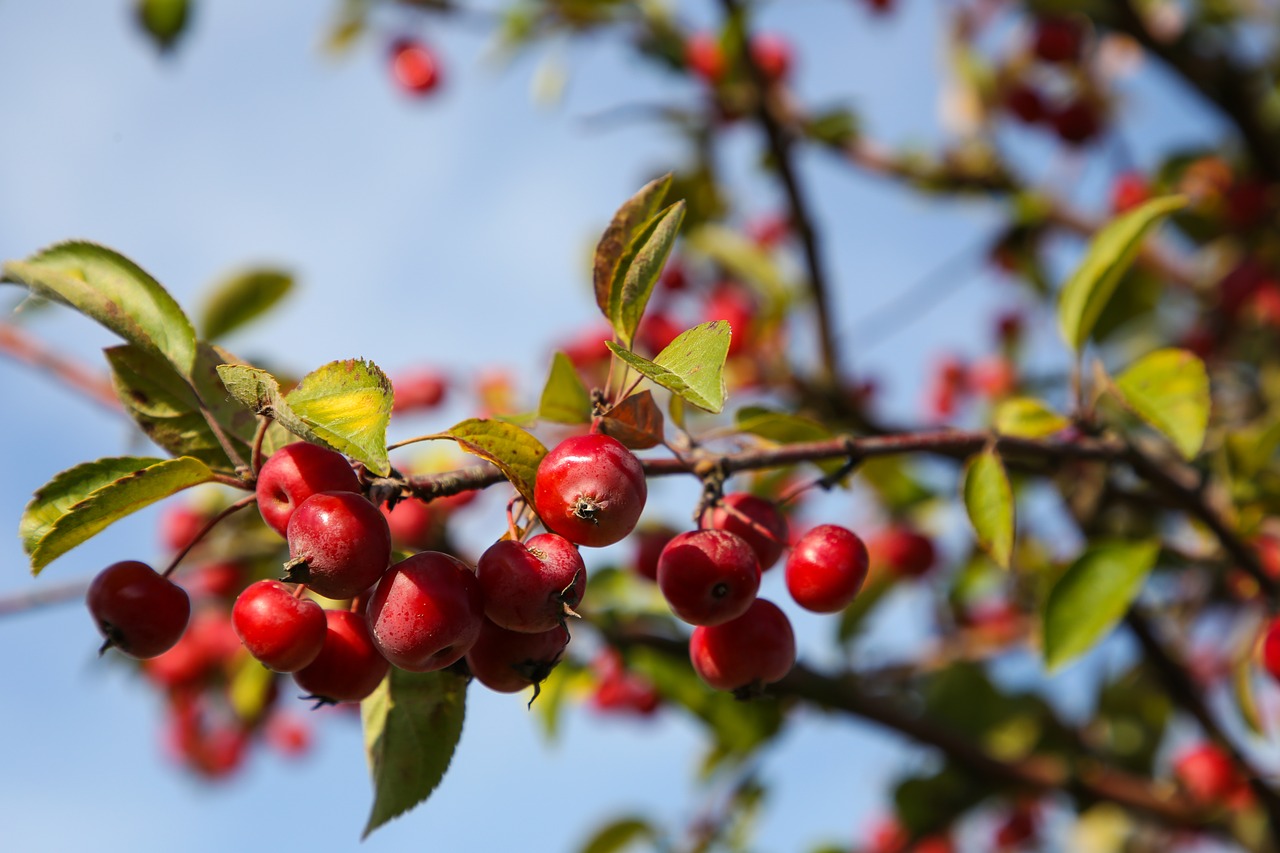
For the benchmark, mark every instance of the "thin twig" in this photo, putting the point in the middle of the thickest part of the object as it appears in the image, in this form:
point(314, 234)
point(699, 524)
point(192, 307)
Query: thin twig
point(25, 348)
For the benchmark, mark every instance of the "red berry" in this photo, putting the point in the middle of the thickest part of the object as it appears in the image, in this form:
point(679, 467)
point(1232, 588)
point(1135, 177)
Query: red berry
point(418, 391)
point(1207, 774)
point(1129, 190)
point(1018, 828)
point(754, 649)
point(1025, 102)
point(349, 666)
point(591, 490)
point(902, 550)
point(729, 302)
point(1077, 122)
point(708, 576)
point(756, 520)
point(288, 735)
point(222, 579)
point(826, 569)
point(339, 544)
point(203, 651)
point(179, 525)
point(282, 631)
point(531, 587)
point(294, 473)
point(139, 612)
point(649, 544)
point(704, 57)
point(426, 611)
point(510, 661)
point(1270, 648)
point(1058, 39)
point(772, 55)
point(414, 66)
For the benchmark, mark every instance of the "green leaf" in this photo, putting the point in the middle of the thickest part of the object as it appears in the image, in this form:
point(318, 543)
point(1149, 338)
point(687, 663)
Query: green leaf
point(619, 835)
point(412, 724)
point(691, 366)
point(241, 298)
point(1027, 417)
point(635, 213)
point(565, 399)
point(165, 406)
point(1169, 389)
point(345, 405)
point(741, 257)
point(1110, 253)
point(83, 501)
point(163, 20)
point(639, 268)
point(108, 287)
point(1092, 596)
point(784, 428)
point(252, 688)
point(515, 451)
point(988, 498)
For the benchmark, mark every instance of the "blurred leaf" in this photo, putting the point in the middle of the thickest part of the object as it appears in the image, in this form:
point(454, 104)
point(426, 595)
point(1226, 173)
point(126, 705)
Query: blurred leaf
point(108, 287)
point(926, 804)
point(1133, 712)
point(241, 298)
point(164, 405)
point(564, 398)
point(163, 20)
point(742, 258)
point(896, 487)
point(836, 128)
point(738, 727)
point(1108, 256)
point(251, 690)
point(988, 498)
point(691, 366)
point(619, 834)
point(344, 32)
point(345, 405)
point(617, 245)
point(412, 724)
point(853, 617)
point(636, 422)
point(1244, 691)
point(1169, 389)
point(784, 428)
point(516, 452)
point(1027, 417)
point(1137, 295)
point(639, 269)
point(81, 502)
point(1092, 596)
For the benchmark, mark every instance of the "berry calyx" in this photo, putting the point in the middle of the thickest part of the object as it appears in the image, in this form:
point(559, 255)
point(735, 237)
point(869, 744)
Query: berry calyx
point(339, 544)
point(348, 667)
point(756, 520)
point(509, 661)
point(826, 569)
point(591, 490)
point(743, 654)
point(294, 473)
point(426, 612)
point(138, 611)
point(531, 587)
point(708, 576)
point(282, 631)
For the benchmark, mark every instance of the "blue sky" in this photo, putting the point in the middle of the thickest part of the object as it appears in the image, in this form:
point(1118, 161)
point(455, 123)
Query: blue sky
point(452, 232)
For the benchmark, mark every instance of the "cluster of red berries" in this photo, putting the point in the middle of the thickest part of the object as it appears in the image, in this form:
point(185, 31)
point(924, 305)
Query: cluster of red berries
point(1057, 43)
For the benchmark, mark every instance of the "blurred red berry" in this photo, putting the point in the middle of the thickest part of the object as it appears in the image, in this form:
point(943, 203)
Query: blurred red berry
point(414, 67)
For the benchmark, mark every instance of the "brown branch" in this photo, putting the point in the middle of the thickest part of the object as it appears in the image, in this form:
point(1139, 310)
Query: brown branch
point(60, 594)
point(780, 140)
point(848, 694)
point(25, 348)
point(1187, 695)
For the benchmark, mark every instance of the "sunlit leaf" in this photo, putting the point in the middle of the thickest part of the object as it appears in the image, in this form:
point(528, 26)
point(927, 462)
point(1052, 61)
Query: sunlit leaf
point(691, 366)
point(1169, 389)
point(241, 298)
point(1027, 417)
point(110, 288)
point(1092, 596)
point(83, 501)
point(1110, 253)
point(412, 724)
point(565, 399)
point(514, 450)
point(988, 498)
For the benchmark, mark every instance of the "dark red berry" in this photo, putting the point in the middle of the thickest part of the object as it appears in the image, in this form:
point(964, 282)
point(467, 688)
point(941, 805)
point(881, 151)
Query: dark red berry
point(754, 519)
point(756, 648)
point(708, 576)
point(426, 611)
point(531, 587)
point(510, 661)
point(349, 666)
point(339, 544)
point(138, 611)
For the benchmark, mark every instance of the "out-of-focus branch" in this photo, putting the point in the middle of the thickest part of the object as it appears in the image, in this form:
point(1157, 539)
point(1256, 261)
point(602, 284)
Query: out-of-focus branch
point(25, 348)
point(779, 138)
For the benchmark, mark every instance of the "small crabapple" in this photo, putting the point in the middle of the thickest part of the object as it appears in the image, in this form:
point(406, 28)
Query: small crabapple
point(903, 550)
point(349, 666)
point(140, 612)
point(590, 489)
point(756, 520)
point(426, 611)
point(279, 629)
point(339, 544)
point(414, 66)
point(531, 586)
point(756, 648)
point(826, 568)
point(708, 576)
point(294, 473)
point(510, 661)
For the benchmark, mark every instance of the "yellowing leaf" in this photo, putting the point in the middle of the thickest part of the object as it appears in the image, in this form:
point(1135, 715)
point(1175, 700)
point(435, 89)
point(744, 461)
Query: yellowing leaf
point(1027, 417)
point(515, 451)
point(988, 498)
point(1169, 389)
